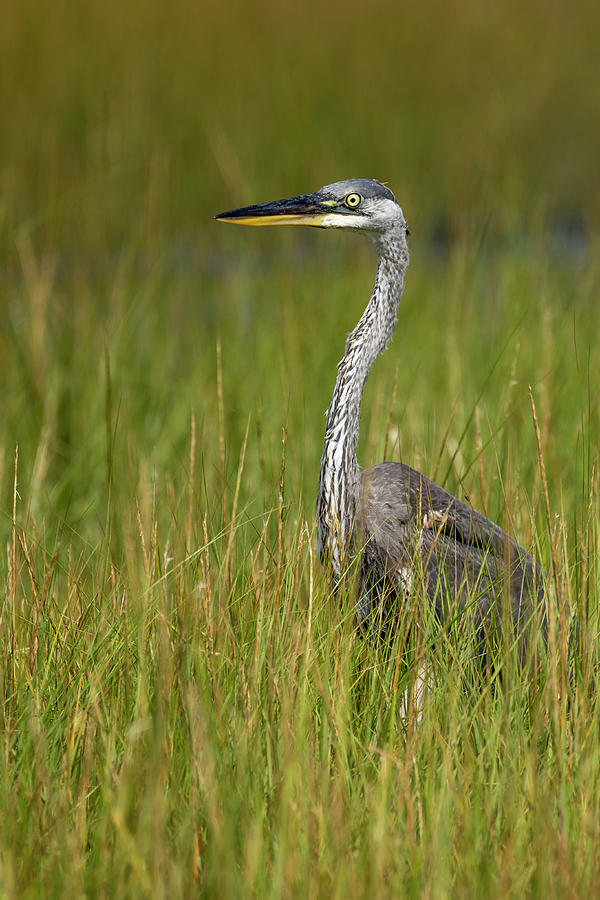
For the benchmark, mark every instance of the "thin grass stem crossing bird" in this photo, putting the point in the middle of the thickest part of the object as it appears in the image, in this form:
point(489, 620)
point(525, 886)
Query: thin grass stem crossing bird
point(396, 524)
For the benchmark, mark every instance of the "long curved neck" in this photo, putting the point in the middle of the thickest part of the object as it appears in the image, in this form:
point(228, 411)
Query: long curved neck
point(339, 482)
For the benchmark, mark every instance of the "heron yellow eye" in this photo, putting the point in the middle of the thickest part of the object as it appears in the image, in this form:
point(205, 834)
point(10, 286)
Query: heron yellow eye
point(353, 200)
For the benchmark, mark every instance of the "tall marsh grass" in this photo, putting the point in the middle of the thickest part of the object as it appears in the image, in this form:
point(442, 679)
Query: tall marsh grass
point(185, 708)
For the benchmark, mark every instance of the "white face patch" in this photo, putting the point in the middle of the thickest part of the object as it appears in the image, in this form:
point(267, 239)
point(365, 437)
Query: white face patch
point(379, 215)
point(341, 220)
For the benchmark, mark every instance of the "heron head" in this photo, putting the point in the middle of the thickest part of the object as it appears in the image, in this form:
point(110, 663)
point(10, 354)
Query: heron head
point(360, 204)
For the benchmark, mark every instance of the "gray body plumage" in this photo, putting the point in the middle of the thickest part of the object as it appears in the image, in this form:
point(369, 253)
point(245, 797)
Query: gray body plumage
point(399, 526)
point(408, 526)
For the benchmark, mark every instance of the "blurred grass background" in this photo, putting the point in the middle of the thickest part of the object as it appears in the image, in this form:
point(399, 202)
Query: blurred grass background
point(468, 108)
point(185, 709)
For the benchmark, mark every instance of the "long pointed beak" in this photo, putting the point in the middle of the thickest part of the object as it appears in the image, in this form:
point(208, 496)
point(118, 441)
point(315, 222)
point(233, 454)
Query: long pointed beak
point(308, 209)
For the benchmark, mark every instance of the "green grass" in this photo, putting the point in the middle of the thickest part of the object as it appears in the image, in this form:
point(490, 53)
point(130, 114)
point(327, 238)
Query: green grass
point(185, 708)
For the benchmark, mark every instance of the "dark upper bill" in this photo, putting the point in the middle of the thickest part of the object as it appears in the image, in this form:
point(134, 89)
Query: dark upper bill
point(308, 209)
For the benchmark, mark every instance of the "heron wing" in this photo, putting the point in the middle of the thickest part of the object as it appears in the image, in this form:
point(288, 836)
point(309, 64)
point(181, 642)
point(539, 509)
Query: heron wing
point(405, 518)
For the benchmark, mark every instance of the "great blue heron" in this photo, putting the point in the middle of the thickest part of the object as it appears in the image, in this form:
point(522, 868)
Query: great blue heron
point(398, 521)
